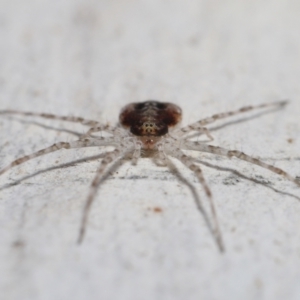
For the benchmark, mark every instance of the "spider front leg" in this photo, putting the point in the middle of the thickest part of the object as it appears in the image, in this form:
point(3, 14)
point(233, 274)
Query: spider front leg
point(110, 157)
point(198, 126)
point(189, 145)
point(177, 153)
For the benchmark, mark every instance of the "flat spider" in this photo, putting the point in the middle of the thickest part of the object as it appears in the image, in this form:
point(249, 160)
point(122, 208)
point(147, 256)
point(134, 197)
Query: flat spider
point(149, 127)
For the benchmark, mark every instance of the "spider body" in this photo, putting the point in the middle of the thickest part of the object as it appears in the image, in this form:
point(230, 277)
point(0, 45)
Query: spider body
point(149, 125)
point(150, 120)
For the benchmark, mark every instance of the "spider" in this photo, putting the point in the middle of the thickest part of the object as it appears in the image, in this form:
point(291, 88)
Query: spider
point(145, 128)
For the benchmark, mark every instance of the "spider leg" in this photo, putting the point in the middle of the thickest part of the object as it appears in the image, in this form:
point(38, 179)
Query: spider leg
point(51, 116)
point(161, 154)
point(137, 152)
point(198, 126)
point(189, 145)
point(177, 153)
point(61, 145)
point(194, 127)
point(115, 155)
point(107, 128)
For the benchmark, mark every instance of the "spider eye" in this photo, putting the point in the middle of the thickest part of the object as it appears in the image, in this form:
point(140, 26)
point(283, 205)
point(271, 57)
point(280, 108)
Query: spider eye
point(161, 105)
point(139, 106)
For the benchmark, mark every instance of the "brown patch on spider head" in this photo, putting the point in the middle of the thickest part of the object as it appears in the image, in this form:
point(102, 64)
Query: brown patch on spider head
point(150, 118)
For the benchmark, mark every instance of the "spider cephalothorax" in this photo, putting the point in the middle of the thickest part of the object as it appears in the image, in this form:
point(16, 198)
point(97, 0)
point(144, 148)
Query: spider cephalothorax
point(150, 120)
point(146, 125)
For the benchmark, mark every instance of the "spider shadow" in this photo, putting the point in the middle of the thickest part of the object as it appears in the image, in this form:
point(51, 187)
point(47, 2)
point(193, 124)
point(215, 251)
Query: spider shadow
point(75, 133)
point(245, 119)
point(61, 166)
point(237, 173)
point(106, 174)
point(197, 200)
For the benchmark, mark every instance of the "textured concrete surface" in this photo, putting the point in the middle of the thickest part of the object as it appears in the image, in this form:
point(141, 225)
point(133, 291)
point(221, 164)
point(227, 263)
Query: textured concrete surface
point(146, 239)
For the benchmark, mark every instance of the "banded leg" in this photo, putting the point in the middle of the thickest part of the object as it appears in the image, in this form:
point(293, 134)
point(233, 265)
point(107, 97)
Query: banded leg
point(108, 158)
point(161, 154)
point(198, 126)
point(197, 170)
point(190, 128)
point(61, 145)
point(137, 152)
point(106, 128)
point(53, 117)
point(238, 154)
